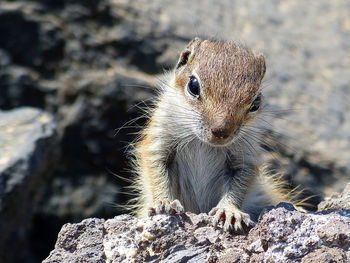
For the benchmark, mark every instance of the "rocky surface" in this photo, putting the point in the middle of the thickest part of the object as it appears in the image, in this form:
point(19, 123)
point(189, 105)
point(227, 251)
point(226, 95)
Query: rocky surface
point(89, 62)
point(282, 235)
point(337, 201)
point(28, 142)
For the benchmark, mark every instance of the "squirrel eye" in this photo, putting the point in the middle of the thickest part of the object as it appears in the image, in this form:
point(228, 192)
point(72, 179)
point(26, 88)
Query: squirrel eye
point(193, 87)
point(256, 103)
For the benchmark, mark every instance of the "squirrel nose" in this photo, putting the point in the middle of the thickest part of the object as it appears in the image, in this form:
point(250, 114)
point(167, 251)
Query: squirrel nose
point(221, 131)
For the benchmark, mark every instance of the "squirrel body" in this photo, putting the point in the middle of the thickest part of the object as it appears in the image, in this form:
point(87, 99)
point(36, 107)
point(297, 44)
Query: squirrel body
point(199, 151)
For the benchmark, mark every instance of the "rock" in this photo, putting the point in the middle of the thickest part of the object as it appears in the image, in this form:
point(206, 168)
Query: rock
point(92, 106)
point(325, 254)
point(92, 109)
point(41, 38)
point(80, 243)
point(337, 201)
point(20, 87)
point(289, 236)
point(281, 235)
point(28, 150)
point(4, 58)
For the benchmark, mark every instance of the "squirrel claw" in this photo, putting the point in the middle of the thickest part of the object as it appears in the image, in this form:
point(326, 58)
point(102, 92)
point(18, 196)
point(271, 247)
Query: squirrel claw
point(166, 207)
point(233, 220)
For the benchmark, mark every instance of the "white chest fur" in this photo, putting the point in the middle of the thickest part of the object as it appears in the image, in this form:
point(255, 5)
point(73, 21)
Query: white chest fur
point(202, 174)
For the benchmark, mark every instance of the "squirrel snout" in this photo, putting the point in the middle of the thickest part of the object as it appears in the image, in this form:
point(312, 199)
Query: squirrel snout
point(221, 130)
point(220, 133)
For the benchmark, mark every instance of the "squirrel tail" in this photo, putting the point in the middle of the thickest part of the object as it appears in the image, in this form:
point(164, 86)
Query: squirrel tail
point(272, 188)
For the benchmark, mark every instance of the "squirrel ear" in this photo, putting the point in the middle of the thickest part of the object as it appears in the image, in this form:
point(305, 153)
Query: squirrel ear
point(262, 64)
point(190, 49)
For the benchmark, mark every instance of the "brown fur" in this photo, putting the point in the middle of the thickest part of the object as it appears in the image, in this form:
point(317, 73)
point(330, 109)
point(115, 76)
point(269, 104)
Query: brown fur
point(230, 76)
point(178, 155)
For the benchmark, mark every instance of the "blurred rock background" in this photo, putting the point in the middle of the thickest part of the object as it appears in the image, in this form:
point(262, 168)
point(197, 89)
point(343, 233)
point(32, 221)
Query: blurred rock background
point(72, 71)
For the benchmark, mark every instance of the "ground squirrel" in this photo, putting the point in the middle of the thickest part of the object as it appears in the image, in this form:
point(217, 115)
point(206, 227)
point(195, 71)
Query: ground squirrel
point(199, 151)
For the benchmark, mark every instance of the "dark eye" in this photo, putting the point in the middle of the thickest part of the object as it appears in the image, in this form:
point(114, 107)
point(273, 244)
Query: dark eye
point(256, 104)
point(193, 87)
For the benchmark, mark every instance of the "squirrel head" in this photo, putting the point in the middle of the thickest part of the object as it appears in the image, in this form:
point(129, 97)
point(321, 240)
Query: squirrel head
point(222, 82)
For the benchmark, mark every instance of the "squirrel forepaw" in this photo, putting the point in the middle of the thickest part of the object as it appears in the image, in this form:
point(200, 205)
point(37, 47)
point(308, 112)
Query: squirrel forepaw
point(233, 219)
point(166, 207)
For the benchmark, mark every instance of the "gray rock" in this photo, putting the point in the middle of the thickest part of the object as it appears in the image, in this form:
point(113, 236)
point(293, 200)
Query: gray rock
point(92, 109)
point(289, 236)
point(20, 87)
point(93, 106)
point(281, 235)
point(41, 38)
point(4, 58)
point(80, 242)
point(326, 254)
point(337, 201)
point(28, 150)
